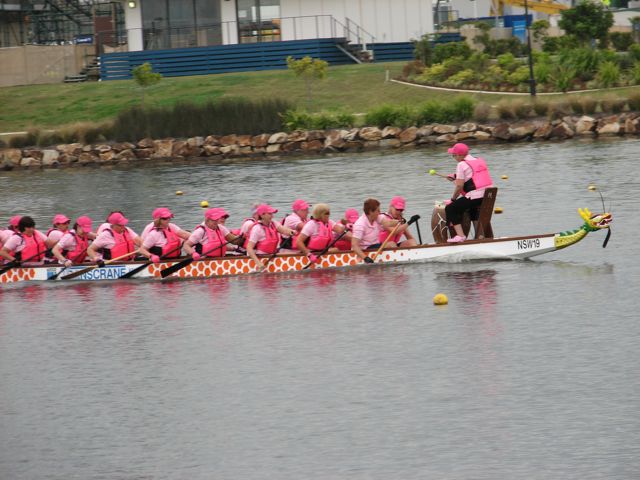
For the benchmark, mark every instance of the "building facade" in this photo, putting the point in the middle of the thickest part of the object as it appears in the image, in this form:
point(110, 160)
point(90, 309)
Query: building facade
point(162, 24)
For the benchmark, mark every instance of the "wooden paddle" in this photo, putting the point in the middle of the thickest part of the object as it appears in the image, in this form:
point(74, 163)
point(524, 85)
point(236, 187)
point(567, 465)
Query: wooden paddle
point(58, 274)
point(146, 264)
point(164, 273)
point(328, 247)
point(17, 263)
point(88, 269)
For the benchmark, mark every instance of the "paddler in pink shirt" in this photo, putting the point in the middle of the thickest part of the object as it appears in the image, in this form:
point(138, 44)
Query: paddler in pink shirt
point(366, 230)
point(264, 236)
point(211, 237)
point(295, 221)
point(60, 227)
point(318, 233)
point(350, 216)
point(115, 240)
point(11, 229)
point(72, 247)
point(162, 238)
point(27, 245)
point(395, 212)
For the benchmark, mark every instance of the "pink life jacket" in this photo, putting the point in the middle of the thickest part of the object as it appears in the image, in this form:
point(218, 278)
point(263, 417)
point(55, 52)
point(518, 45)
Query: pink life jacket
point(294, 239)
point(246, 239)
point(33, 250)
point(384, 234)
point(216, 245)
point(480, 178)
point(124, 244)
point(171, 249)
point(344, 244)
point(322, 238)
point(272, 240)
point(79, 253)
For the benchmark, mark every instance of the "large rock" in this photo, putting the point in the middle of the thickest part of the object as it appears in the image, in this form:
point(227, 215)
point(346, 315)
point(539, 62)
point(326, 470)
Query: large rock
point(210, 150)
point(585, 125)
point(260, 140)
point(446, 138)
point(212, 140)
point(274, 148)
point(163, 148)
point(229, 150)
point(444, 129)
point(67, 159)
point(468, 127)
point(102, 148)
point(334, 140)
point(50, 158)
point(197, 141)
point(425, 131)
point(146, 143)
point(370, 134)
point(612, 128)
point(279, 137)
point(107, 156)
point(12, 157)
point(178, 148)
point(30, 162)
point(502, 131)
point(631, 126)
point(543, 131)
point(355, 145)
point(87, 158)
point(125, 156)
point(297, 136)
point(390, 143)
point(120, 147)
point(244, 140)
point(349, 135)
point(316, 135)
point(522, 131)
point(143, 153)
point(408, 135)
point(390, 132)
point(312, 146)
point(481, 135)
point(32, 153)
point(562, 131)
point(464, 136)
point(291, 146)
point(70, 149)
point(229, 140)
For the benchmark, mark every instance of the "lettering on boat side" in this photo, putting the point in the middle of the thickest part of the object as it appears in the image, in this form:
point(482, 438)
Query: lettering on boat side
point(528, 244)
point(106, 273)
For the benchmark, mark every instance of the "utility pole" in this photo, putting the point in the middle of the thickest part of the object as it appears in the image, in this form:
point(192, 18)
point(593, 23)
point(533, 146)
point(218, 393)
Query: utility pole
point(532, 79)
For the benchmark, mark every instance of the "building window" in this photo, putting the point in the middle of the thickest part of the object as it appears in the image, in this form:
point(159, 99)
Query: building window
point(180, 23)
point(258, 20)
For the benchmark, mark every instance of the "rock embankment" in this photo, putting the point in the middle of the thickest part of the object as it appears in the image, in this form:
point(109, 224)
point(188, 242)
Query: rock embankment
point(314, 142)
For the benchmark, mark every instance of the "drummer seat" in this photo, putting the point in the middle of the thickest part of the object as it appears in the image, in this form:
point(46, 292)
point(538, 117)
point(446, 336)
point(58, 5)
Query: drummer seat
point(483, 226)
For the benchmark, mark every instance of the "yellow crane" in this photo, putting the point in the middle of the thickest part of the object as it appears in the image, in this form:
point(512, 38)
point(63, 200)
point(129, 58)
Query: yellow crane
point(544, 6)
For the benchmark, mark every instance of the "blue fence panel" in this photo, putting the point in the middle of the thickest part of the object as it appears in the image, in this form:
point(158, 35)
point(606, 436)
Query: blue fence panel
point(392, 52)
point(221, 59)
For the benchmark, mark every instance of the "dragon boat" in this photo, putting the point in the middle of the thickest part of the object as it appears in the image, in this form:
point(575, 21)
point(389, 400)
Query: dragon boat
point(483, 249)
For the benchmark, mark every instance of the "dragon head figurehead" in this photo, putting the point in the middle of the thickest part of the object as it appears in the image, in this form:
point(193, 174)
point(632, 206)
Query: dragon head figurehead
point(594, 222)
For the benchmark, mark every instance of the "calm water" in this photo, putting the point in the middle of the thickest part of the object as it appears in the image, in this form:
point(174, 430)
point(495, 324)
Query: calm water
point(530, 372)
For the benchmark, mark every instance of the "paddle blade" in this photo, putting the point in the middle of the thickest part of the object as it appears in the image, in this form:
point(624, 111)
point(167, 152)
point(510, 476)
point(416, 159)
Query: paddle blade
point(134, 271)
point(606, 239)
point(8, 267)
point(73, 275)
point(174, 268)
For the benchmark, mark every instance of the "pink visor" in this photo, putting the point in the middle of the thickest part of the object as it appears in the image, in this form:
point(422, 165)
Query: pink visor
point(351, 215)
point(85, 222)
point(161, 212)
point(299, 205)
point(59, 218)
point(216, 214)
point(117, 218)
point(459, 149)
point(264, 208)
point(398, 203)
point(14, 221)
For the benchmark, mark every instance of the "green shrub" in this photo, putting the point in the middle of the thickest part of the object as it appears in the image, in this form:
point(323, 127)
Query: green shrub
point(562, 77)
point(621, 41)
point(507, 61)
point(390, 115)
point(444, 51)
point(478, 62)
point(458, 110)
point(505, 110)
point(634, 51)
point(542, 72)
point(302, 120)
point(413, 68)
point(494, 75)
point(434, 74)
point(454, 65)
point(30, 139)
point(583, 61)
point(463, 77)
point(461, 109)
point(608, 74)
point(519, 75)
point(634, 102)
point(423, 50)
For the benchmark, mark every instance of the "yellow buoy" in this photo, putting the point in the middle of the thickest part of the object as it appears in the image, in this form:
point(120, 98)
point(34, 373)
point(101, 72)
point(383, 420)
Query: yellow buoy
point(204, 204)
point(592, 187)
point(497, 210)
point(504, 177)
point(179, 192)
point(440, 299)
point(432, 172)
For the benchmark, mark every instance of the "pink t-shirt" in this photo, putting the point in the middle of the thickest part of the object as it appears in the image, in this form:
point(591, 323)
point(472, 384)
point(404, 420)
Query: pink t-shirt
point(292, 221)
point(199, 235)
point(310, 229)
point(465, 172)
point(4, 236)
point(257, 234)
point(15, 243)
point(155, 238)
point(68, 241)
point(55, 235)
point(366, 231)
point(151, 226)
point(246, 226)
point(106, 240)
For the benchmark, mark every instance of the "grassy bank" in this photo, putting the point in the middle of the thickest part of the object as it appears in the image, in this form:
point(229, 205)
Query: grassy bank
point(351, 89)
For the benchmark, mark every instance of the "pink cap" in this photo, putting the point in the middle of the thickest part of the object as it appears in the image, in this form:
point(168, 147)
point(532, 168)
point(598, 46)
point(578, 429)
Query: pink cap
point(60, 218)
point(14, 221)
point(351, 214)
point(85, 222)
point(459, 149)
point(299, 205)
point(264, 208)
point(398, 203)
point(161, 212)
point(117, 218)
point(215, 213)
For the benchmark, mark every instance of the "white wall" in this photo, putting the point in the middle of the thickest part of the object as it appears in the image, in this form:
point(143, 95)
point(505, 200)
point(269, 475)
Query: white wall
point(133, 25)
point(386, 20)
point(229, 22)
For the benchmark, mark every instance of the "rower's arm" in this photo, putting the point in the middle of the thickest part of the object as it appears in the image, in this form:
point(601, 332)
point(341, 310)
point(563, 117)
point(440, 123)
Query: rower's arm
point(235, 239)
point(300, 244)
point(188, 247)
point(143, 251)
point(355, 246)
point(92, 253)
point(285, 230)
point(457, 189)
point(4, 253)
point(252, 254)
point(57, 252)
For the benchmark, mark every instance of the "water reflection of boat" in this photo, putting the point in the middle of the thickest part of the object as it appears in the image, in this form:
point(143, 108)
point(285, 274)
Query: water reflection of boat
point(485, 249)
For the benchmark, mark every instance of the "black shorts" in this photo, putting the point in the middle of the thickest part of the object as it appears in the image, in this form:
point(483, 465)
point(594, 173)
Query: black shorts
point(455, 210)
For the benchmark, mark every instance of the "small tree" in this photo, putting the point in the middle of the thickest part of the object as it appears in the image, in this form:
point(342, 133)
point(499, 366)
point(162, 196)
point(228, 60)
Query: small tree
point(145, 77)
point(309, 69)
point(587, 21)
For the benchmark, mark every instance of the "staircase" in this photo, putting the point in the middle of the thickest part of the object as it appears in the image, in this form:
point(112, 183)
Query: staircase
point(91, 71)
point(355, 42)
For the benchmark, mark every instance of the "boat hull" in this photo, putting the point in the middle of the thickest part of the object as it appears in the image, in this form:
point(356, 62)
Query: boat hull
point(488, 249)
